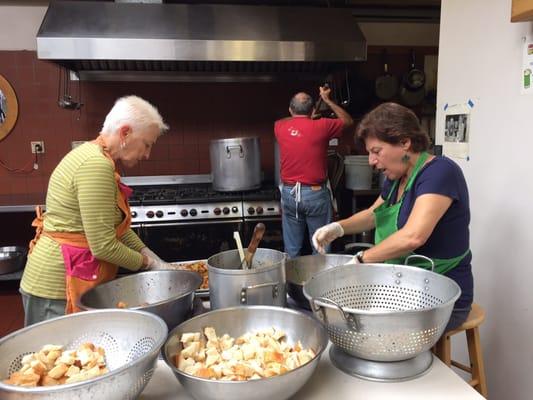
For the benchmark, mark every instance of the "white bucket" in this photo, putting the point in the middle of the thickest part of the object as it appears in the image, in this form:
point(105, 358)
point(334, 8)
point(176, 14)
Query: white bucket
point(358, 173)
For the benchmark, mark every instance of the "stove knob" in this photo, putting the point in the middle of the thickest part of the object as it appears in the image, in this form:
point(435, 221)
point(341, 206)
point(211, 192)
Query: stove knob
point(217, 211)
point(225, 210)
point(184, 213)
point(159, 214)
point(234, 209)
point(150, 214)
point(251, 210)
point(134, 214)
point(259, 210)
point(193, 212)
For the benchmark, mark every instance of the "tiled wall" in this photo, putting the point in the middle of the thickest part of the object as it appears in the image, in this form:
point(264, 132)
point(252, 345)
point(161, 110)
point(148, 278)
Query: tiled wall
point(196, 113)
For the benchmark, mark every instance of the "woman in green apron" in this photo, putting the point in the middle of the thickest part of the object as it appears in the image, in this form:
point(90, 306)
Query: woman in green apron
point(423, 207)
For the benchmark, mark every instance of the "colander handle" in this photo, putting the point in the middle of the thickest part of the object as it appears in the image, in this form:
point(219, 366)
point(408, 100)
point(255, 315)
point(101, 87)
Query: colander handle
point(422, 257)
point(321, 314)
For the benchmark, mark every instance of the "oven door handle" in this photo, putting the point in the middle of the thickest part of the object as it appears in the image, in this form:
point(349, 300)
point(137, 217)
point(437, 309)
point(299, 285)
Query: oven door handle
point(259, 219)
point(203, 222)
point(244, 290)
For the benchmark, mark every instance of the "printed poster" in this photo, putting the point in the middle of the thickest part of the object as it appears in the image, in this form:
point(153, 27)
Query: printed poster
point(526, 86)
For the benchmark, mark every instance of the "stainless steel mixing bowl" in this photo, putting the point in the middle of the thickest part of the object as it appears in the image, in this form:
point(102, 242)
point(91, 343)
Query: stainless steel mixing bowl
point(131, 340)
point(12, 259)
point(382, 312)
point(235, 322)
point(169, 294)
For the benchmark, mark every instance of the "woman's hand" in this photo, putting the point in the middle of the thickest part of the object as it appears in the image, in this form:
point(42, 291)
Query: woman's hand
point(152, 261)
point(325, 235)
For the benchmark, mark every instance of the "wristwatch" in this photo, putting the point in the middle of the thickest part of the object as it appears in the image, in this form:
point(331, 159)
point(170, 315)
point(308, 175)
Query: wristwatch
point(359, 256)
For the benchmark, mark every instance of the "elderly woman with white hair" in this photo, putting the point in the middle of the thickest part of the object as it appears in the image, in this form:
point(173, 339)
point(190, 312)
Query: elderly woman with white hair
point(85, 233)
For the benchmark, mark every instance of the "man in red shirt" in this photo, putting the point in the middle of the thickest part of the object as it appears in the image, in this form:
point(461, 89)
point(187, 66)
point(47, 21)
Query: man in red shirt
point(303, 144)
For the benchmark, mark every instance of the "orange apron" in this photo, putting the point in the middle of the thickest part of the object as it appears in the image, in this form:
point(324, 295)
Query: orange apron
point(82, 271)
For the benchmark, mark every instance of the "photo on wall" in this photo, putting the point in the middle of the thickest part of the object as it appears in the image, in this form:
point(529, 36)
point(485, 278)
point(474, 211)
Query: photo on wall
point(456, 128)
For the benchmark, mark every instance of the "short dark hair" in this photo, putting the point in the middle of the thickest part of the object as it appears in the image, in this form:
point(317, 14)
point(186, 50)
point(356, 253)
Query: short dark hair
point(301, 104)
point(392, 123)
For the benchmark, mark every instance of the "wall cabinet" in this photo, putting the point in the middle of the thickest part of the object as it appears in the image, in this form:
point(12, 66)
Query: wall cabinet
point(522, 10)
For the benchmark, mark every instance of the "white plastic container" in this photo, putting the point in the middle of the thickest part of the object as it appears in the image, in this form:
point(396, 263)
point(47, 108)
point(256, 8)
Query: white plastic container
point(358, 173)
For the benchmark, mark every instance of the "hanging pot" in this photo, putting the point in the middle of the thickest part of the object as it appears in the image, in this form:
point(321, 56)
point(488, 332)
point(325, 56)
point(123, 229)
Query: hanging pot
point(414, 79)
point(413, 92)
point(411, 98)
point(321, 108)
point(386, 85)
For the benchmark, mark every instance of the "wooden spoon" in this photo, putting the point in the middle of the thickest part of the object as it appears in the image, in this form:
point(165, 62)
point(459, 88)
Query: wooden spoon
point(259, 231)
point(237, 238)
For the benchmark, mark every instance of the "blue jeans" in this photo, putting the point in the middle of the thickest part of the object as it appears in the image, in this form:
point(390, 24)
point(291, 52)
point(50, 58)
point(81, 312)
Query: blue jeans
point(39, 309)
point(314, 211)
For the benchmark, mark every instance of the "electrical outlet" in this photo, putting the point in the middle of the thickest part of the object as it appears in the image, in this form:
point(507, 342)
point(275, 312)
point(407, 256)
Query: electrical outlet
point(37, 147)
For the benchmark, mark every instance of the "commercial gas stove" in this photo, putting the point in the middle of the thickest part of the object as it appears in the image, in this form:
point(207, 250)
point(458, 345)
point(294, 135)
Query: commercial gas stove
point(183, 218)
point(191, 197)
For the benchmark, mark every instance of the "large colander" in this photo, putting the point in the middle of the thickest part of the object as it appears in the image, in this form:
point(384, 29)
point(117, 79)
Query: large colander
point(382, 312)
point(131, 340)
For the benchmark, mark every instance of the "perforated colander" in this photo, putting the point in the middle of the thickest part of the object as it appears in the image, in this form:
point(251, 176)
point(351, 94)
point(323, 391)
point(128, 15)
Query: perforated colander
point(382, 312)
point(131, 340)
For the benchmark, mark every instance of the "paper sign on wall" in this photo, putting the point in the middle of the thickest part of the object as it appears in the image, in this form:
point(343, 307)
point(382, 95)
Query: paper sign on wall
point(526, 86)
point(457, 130)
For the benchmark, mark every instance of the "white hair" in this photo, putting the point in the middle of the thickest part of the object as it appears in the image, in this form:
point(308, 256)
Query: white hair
point(134, 111)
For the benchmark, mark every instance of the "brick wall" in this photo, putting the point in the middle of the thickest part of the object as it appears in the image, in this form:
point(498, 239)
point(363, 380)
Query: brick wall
point(196, 113)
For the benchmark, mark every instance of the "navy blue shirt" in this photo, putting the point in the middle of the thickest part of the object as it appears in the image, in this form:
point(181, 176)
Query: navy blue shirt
point(451, 236)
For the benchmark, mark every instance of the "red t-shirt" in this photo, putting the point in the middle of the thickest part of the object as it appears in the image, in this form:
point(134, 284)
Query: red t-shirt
point(303, 144)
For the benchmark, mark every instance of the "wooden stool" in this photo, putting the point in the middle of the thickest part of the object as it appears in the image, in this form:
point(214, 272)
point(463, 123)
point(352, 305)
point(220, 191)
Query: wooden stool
point(471, 327)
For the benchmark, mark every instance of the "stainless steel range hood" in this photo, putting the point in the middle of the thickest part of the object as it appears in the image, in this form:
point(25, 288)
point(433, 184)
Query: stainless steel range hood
point(128, 41)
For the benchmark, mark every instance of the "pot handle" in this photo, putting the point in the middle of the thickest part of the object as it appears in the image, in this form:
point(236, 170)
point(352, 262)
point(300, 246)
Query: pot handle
point(422, 257)
point(235, 146)
point(321, 313)
point(244, 290)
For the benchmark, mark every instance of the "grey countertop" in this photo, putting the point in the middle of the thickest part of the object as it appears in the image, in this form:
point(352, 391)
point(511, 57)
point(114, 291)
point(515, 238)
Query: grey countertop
point(15, 276)
point(19, 208)
point(439, 383)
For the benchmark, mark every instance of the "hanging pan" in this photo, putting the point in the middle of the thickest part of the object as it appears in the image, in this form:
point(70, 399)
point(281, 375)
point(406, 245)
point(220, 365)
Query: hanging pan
point(386, 84)
point(412, 92)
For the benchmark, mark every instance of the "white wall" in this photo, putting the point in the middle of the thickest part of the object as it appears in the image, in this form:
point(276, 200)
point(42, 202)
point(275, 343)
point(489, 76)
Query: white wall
point(19, 26)
point(480, 58)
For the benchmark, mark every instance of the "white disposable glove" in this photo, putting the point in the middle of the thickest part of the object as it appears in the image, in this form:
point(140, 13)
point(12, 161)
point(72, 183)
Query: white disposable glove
point(153, 260)
point(325, 235)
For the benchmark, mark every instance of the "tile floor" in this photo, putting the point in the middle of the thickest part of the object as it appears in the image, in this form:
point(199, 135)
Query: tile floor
point(11, 311)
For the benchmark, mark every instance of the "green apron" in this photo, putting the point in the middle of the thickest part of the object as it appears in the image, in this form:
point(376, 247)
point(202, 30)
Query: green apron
point(386, 220)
